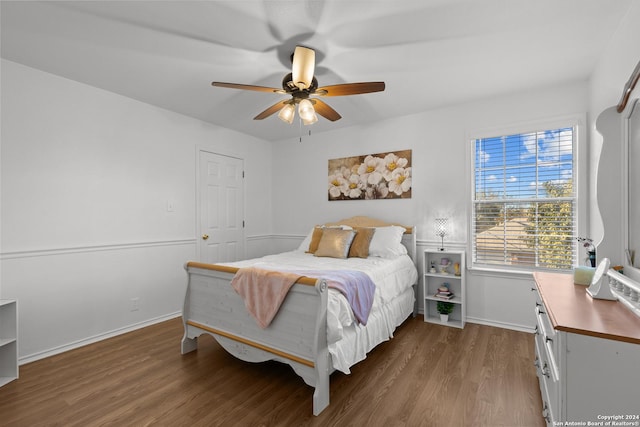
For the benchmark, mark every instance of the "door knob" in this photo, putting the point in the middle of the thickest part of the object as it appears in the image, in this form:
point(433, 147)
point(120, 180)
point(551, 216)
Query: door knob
point(205, 236)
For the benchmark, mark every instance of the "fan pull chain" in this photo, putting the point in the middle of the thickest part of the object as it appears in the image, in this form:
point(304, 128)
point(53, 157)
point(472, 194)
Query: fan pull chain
point(300, 130)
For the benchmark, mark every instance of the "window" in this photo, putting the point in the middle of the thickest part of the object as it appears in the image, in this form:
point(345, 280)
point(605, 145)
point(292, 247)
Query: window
point(524, 200)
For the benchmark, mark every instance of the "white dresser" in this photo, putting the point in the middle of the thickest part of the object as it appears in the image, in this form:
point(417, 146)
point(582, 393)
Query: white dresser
point(587, 355)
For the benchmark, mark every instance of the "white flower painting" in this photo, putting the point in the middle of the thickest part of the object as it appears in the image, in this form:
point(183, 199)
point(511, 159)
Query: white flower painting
point(373, 176)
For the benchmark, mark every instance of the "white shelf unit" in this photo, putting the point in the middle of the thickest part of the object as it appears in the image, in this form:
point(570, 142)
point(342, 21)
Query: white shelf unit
point(8, 341)
point(433, 280)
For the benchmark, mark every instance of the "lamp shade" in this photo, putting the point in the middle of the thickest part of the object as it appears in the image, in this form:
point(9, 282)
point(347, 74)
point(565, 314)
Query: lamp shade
point(286, 113)
point(307, 113)
point(441, 226)
point(310, 121)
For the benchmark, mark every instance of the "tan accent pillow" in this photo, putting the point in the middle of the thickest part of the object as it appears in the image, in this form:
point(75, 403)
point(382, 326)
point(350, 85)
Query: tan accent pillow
point(335, 243)
point(360, 245)
point(315, 240)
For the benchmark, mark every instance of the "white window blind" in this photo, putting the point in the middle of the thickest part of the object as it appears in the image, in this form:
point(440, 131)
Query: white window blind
point(524, 200)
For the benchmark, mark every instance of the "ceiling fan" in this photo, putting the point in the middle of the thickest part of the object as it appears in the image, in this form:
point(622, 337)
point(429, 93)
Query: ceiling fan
point(301, 85)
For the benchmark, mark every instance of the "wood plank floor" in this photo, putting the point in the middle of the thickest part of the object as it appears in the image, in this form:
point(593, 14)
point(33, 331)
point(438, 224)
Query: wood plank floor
point(428, 375)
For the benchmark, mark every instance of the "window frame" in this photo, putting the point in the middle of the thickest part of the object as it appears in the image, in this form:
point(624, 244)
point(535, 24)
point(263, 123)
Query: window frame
point(577, 122)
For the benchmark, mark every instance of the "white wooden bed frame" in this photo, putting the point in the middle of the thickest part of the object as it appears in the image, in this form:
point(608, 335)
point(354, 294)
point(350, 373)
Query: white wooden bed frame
point(298, 334)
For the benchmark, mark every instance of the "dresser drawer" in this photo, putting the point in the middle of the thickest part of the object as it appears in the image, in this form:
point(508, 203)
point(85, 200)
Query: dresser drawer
point(549, 384)
point(548, 342)
point(542, 318)
point(546, 414)
point(547, 346)
point(547, 337)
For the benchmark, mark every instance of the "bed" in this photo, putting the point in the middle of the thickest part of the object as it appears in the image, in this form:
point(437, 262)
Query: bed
point(315, 330)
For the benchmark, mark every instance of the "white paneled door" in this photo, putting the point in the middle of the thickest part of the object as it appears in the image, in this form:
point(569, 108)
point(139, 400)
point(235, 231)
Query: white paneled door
point(221, 208)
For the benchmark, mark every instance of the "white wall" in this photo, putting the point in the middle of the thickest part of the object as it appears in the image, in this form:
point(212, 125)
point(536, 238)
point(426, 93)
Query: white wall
point(606, 87)
point(438, 139)
point(86, 177)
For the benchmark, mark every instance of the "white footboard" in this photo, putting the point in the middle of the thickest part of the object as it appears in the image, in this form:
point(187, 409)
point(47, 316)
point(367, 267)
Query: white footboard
point(297, 335)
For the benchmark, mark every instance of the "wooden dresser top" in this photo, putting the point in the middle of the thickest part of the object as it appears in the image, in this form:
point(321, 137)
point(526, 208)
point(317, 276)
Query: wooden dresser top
point(571, 309)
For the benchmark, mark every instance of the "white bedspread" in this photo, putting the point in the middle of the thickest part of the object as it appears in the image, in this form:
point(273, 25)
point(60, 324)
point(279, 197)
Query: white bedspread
point(392, 277)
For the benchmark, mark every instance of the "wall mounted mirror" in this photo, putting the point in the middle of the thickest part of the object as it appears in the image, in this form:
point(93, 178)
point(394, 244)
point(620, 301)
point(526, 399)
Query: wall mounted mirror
point(633, 185)
point(618, 180)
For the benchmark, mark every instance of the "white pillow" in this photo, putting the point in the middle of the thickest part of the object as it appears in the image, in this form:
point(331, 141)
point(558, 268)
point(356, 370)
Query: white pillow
point(386, 242)
point(304, 246)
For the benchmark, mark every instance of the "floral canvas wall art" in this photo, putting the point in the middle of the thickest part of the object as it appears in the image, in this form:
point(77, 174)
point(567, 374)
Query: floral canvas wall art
point(372, 176)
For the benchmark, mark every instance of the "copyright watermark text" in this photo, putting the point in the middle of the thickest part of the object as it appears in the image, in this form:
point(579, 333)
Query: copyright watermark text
point(605, 421)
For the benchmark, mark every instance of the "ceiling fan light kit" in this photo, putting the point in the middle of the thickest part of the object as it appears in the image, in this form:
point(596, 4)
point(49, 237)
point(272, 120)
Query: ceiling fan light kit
point(306, 112)
point(301, 84)
point(287, 113)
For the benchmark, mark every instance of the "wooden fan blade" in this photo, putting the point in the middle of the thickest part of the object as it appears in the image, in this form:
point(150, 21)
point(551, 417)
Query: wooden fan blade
point(271, 110)
point(350, 89)
point(325, 110)
point(247, 87)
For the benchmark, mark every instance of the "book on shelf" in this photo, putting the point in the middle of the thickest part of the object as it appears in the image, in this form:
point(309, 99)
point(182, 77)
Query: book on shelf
point(444, 295)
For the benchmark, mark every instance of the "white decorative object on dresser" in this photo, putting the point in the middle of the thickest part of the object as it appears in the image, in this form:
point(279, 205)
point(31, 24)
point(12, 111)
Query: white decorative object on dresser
point(587, 353)
point(597, 289)
point(8, 341)
point(444, 281)
point(626, 290)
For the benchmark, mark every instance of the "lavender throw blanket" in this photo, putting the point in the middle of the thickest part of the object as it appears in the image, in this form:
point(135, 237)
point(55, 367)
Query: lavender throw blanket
point(356, 286)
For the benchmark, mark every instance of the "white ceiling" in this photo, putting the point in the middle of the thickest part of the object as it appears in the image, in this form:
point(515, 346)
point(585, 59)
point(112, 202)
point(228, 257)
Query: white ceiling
point(430, 53)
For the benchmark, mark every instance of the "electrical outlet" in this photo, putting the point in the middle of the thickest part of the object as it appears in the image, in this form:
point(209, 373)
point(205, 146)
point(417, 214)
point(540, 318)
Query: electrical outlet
point(135, 304)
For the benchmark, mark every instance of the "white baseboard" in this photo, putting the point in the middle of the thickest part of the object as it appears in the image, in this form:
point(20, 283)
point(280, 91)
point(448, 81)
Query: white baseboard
point(502, 325)
point(495, 324)
point(81, 343)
